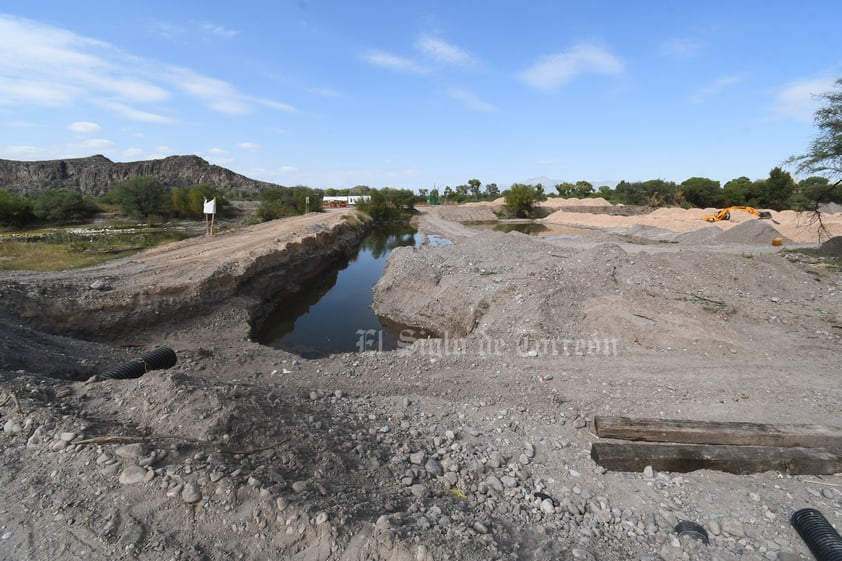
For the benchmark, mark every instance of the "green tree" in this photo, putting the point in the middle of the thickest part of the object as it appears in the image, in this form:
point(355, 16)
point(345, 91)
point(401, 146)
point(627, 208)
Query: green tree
point(607, 193)
point(824, 156)
point(779, 188)
point(142, 197)
point(190, 201)
point(520, 200)
point(15, 210)
point(583, 189)
point(815, 188)
point(492, 191)
point(565, 189)
point(701, 192)
point(474, 186)
point(655, 192)
point(737, 192)
point(389, 204)
point(280, 202)
point(63, 207)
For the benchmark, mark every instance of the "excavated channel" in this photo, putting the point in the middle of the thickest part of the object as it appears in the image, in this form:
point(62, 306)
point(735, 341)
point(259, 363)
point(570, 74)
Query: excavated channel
point(331, 312)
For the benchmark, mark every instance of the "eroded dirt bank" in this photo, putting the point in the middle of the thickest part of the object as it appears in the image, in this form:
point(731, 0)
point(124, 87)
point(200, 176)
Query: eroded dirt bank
point(473, 447)
point(179, 281)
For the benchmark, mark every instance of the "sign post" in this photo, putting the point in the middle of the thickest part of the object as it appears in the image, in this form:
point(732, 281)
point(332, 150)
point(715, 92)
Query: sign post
point(209, 209)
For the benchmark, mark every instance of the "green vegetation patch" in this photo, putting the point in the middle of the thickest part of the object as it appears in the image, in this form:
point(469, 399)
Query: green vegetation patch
point(55, 250)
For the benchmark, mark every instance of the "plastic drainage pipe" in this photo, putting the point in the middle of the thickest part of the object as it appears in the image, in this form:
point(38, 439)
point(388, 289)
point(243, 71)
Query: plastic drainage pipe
point(159, 359)
point(822, 539)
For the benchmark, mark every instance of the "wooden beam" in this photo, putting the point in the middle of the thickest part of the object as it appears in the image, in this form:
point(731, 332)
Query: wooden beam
point(681, 458)
point(714, 432)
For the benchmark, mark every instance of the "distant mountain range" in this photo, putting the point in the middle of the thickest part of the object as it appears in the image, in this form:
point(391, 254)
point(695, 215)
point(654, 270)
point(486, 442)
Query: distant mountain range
point(97, 175)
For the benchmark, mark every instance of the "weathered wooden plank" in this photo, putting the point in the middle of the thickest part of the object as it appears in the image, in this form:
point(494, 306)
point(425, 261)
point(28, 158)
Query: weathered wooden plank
point(681, 458)
point(714, 432)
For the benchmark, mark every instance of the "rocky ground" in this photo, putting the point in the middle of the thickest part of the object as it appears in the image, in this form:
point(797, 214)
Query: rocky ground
point(473, 446)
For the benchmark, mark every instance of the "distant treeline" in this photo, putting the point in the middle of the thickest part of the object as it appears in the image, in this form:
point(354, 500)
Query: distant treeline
point(145, 198)
point(777, 192)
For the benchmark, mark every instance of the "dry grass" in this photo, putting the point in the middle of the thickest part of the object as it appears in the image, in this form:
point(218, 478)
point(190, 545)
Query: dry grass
point(35, 256)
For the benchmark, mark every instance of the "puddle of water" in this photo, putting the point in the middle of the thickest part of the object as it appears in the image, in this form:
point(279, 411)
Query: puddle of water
point(436, 241)
point(332, 313)
point(549, 231)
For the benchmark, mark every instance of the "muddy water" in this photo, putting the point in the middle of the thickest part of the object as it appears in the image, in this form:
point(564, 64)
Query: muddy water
point(529, 227)
point(332, 313)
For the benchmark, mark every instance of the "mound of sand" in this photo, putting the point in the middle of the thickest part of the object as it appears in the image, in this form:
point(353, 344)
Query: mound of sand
point(832, 247)
point(755, 232)
point(556, 202)
point(831, 208)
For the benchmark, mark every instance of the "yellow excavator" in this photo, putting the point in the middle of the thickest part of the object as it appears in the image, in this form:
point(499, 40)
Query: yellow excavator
point(725, 213)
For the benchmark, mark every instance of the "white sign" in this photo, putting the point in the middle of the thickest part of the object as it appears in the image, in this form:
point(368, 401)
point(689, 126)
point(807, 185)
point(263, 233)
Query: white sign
point(210, 206)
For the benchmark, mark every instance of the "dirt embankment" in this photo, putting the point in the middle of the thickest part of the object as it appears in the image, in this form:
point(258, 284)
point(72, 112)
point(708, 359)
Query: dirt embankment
point(472, 447)
point(180, 280)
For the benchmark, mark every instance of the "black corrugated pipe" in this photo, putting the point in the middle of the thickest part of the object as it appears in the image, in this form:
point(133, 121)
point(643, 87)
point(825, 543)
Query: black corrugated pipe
point(159, 359)
point(822, 539)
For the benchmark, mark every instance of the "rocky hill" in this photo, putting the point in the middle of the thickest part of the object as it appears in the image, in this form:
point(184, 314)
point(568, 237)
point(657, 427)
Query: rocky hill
point(97, 175)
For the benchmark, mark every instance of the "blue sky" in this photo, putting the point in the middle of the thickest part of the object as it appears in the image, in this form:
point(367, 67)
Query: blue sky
point(421, 94)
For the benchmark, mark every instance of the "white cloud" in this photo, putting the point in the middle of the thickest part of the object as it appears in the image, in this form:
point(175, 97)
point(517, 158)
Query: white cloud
point(287, 169)
point(716, 87)
point(18, 150)
point(217, 151)
point(550, 72)
point(800, 100)
point(471, 100)
point(133, 154)
point(277, 105)
point(324, 92)
point(442, 51)
point(680, 48)
point(97, 144)
point(250, 146)
point(44, 65)
point(84, 127)
point(214, 29)
point(135, 114)
point(20, 91)
point(394, 62)
point(166, 29)
point(218, 94)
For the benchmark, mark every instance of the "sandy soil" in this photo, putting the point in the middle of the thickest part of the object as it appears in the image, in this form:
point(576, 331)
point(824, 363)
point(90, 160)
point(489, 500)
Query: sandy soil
point(474, 446)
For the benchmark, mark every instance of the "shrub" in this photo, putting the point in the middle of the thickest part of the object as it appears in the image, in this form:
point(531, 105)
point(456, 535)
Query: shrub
point(15, 210)
point(63, 207)
point(141, 197)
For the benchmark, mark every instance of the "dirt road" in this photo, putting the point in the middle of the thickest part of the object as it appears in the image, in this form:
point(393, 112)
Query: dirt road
point(178, 280)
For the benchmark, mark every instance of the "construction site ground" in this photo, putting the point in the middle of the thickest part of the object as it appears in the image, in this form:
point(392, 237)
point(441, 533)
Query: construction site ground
point(474, 445)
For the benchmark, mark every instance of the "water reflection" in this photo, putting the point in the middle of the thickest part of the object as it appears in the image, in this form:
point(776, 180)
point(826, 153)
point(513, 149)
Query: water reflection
point(332, 313)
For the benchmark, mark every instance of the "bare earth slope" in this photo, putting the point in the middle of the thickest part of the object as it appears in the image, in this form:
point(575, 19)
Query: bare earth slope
point(476, 446)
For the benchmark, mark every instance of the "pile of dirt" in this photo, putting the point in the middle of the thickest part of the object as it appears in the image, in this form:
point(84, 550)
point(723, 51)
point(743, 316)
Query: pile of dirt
point(556, 202)
point(476, 212)
point(469, 290)
point(831, 208)
point(750, 232)
point(832, 247)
